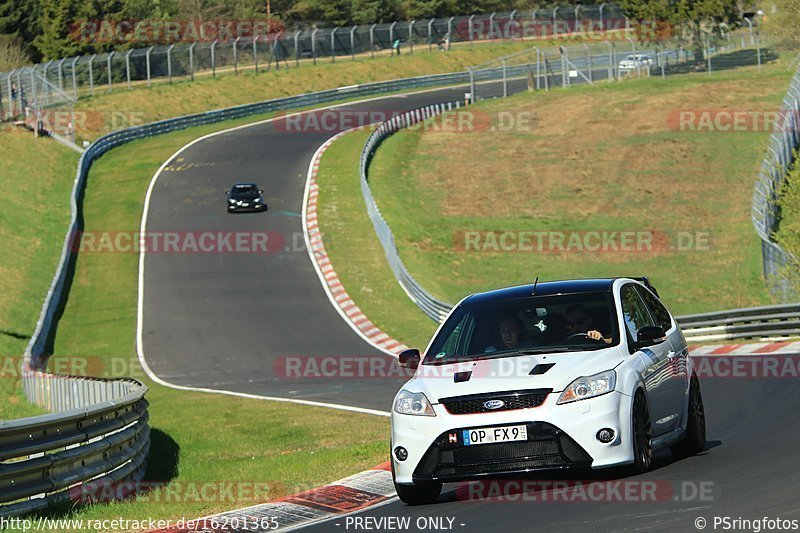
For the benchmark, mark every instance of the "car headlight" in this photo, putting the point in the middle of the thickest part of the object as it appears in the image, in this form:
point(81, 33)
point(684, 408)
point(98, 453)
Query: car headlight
point(257, 200)
point(413, 403)
point(589, 387)
point(231, 201)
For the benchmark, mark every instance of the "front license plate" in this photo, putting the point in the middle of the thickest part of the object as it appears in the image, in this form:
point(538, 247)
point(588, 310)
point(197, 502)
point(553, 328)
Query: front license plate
point(491, 435)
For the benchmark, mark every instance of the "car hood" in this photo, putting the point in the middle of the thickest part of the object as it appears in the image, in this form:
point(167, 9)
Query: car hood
point(511, 373)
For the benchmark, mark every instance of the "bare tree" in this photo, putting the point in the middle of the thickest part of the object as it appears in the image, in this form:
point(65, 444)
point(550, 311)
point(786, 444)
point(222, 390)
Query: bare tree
point(11, 54)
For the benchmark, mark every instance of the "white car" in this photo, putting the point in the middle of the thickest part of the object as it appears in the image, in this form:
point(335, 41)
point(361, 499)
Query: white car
point(635, 62)
point(552, 376)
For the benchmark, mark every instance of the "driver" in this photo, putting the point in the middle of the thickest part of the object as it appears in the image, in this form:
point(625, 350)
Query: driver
point(580, 321)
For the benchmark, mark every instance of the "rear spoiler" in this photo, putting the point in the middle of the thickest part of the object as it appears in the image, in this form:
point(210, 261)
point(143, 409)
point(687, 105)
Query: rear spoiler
point(646, 282)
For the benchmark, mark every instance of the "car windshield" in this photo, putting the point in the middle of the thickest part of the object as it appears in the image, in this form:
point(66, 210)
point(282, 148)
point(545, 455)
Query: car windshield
point(631, 58)
point(518, 326)
point(244, 190)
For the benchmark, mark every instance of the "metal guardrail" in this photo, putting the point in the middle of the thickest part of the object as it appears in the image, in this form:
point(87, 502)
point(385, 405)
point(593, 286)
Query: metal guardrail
point(778, 160)
point(98, 436)
point(769, 322)
point(430, 305)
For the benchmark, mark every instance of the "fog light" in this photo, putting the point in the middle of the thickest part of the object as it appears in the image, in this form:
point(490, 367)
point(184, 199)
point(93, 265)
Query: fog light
point(605, 435)
point(401, 453)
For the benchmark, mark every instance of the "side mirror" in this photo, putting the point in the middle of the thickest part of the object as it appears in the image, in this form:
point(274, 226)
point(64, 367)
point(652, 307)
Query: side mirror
point(650, 335)
point(409, 358)
point(260, 191)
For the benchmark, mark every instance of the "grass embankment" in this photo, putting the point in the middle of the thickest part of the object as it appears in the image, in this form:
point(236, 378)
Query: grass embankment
point(788, 233)
point(604, 158)
point(199, 440)
point(144, 104)
point(36, 181)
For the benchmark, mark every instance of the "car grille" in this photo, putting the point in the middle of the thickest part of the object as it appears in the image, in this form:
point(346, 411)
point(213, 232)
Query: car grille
point(467, 405)
point(547, 447)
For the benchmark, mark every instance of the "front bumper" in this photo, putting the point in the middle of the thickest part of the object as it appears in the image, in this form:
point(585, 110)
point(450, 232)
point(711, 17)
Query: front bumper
point(252, 207)
point(560, 437)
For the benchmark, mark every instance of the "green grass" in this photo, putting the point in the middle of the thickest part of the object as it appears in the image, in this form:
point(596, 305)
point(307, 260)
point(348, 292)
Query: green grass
point(597, 158)
point(37, 180)
point(788, 233)
point(355, 251)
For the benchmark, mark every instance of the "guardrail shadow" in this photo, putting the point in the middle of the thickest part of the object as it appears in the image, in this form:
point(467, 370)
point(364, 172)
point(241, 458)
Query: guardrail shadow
point(162, 468)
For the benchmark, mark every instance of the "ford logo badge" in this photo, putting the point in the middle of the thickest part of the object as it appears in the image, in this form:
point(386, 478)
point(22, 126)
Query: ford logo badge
point(494, 404)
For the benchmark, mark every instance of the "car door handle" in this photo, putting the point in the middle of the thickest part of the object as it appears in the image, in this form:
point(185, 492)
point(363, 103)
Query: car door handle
point(671, 355)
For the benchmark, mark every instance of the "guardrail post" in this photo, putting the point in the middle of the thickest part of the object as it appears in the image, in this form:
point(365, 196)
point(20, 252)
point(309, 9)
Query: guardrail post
point(191, 61)
point(333, 44)
point(512, 22)
point(565, 67)
point(411, 37)
point(147, 60)
point(662, 60)
point(538, 69)
point(91, 74)
point(470, 27)
point(74, 77)
point(505, 78)
point(575, 27)
point(708, 55)
point(372, 40)
point(314, 45)
point(297, 48)
point(430, 34)
point(128, 67)
point(602, 21)
point(108, 68)
point(353, 42)
point(472, 96)
point(169, 62)
point(546, 76)
point(535, 28)
point(214, 59)
point(236, 56)
point(491, 26)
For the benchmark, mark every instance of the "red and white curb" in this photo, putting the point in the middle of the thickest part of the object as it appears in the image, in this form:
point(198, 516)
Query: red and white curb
point(754, 348)
point(337, 294)
point(339, 498)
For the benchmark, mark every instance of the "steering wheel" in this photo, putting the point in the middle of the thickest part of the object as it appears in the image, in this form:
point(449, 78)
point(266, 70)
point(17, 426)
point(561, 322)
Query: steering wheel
point(574, 335)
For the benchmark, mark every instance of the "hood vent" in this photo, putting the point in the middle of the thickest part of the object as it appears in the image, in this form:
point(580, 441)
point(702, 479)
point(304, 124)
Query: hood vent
point(460, 377)
point(541, 369)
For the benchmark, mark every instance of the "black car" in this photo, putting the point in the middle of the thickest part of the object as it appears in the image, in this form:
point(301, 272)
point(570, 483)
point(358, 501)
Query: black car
point(246, 197)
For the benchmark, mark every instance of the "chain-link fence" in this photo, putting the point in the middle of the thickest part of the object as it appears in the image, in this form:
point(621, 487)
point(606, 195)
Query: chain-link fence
point(543, 68)
point(781, 155)
point(87, 75)
point(40, 104)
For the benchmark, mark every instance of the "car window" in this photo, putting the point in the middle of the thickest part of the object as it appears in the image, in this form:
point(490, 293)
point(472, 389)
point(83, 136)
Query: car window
point(634, 311)
point(656, 308)
point(548, 323)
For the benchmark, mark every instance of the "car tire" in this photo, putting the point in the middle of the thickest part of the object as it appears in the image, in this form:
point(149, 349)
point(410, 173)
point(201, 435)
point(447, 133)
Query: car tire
point(694, 439)
point(418, 493)
point(642, 435)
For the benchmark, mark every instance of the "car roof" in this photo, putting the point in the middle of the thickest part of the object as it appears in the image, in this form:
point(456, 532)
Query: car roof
point(543, 288)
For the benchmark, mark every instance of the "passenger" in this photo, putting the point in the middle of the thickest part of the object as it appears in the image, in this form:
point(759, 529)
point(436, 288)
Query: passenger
point(512, 335)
